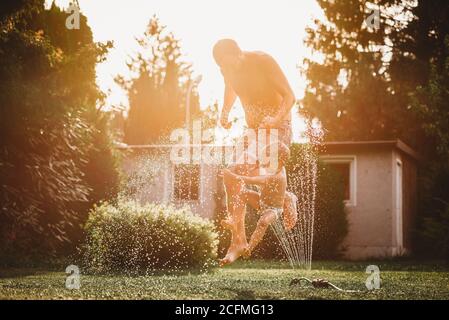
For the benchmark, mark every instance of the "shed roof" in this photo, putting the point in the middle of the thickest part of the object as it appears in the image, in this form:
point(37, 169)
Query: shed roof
point(394, 144)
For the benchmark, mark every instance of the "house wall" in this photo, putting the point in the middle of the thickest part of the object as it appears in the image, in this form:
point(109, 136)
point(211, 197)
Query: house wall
point(151, 177)
point(370, 222)
point(205, 206)
point(397, 231)
point(148, 175)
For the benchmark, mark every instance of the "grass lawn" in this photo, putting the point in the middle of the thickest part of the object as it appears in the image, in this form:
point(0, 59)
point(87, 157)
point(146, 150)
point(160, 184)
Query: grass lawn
point(243, 280)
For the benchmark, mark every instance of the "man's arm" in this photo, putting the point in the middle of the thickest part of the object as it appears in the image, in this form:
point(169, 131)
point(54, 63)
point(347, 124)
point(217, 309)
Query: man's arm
point(228, 102)
point(280, 83)
point(256, 180)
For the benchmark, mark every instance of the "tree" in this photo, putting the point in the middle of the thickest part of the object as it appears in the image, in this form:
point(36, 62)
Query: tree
point(157, 94)
point(48, 124)
point(350, 90)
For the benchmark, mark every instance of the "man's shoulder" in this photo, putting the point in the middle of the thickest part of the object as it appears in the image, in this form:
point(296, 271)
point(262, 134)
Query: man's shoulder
point(259, 57)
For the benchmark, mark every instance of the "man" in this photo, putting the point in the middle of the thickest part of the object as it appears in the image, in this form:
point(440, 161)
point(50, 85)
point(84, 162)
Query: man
point(267, 99)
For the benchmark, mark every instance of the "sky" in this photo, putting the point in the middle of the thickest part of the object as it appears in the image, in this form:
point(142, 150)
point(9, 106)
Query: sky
point(273, 26)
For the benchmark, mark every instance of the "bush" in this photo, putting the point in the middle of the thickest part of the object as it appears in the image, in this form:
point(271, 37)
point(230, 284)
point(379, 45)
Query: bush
point(331, 225)
point(134, 238)
point(434, 233)
point(431, 229)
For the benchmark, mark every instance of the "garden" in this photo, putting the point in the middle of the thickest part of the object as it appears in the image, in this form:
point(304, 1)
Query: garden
point(73, 227)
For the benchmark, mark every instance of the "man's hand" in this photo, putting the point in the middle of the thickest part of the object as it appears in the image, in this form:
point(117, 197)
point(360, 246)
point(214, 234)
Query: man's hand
point(226, 173)
point(270, 122)
point(225, 122)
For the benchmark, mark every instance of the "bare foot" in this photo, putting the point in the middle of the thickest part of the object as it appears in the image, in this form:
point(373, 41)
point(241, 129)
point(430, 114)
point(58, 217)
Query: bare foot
point(247, 253)
point(233, 254)
point(290, 211)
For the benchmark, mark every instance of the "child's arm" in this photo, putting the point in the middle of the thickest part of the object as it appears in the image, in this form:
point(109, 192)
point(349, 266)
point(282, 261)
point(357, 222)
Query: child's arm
point(257, 180)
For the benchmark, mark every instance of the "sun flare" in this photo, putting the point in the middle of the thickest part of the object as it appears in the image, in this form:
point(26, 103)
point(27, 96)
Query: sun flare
point(276, 27)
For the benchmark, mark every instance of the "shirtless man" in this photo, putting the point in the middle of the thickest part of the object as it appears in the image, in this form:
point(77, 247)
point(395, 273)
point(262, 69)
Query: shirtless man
point(267, 99)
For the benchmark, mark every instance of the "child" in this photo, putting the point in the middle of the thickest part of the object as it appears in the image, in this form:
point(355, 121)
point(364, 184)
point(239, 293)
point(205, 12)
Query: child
point(269, 202)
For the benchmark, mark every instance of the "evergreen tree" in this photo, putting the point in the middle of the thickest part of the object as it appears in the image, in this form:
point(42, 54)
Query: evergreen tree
point(50, 128)
point(157, 94)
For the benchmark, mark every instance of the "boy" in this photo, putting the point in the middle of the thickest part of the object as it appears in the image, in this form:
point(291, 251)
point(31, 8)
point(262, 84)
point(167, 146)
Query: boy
point(269, 202)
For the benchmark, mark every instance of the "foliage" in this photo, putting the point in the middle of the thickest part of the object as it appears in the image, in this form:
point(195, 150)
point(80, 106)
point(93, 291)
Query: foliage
point(331, 224)
point(157, 95)
point(420, 76)
point(349, 89)
point(48, 124)
point(435, 233)
point(130, 237)
point(367, 77)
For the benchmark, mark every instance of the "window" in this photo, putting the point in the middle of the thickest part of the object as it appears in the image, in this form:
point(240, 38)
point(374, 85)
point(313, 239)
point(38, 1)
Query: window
point(343, 170)
point(186, 182)
point(346, 167)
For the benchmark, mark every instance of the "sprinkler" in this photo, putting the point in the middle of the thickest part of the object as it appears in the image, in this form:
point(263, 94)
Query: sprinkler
point(318, 284)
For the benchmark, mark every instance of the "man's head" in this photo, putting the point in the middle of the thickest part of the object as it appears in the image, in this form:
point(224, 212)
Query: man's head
point(227, 54)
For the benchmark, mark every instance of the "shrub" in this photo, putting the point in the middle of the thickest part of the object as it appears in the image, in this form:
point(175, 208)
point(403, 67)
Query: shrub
point(331, 225)
point(434, 233)
point(134, 238)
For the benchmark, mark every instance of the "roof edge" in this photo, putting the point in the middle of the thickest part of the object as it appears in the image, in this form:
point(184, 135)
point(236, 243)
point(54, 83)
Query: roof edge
point(397, 143)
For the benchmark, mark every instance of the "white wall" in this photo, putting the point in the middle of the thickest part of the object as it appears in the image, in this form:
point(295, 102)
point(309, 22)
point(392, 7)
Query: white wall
point(156, 182)
point(370, 220)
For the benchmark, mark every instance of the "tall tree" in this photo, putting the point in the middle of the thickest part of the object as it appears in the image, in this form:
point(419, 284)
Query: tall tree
point(49, 125)
point(350, 89)
point(157, 92)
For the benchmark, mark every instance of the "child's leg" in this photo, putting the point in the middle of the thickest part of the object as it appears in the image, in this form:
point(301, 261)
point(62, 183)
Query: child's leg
point(237, 211)
point(236, 221)
point(252, 198)
point(267, 217)
point(247, 196)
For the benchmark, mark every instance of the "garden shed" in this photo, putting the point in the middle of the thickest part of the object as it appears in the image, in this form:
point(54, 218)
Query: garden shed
point(380, 195)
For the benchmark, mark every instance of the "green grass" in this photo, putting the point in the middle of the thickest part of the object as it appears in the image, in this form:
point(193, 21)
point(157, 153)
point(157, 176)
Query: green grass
point(243, 280)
